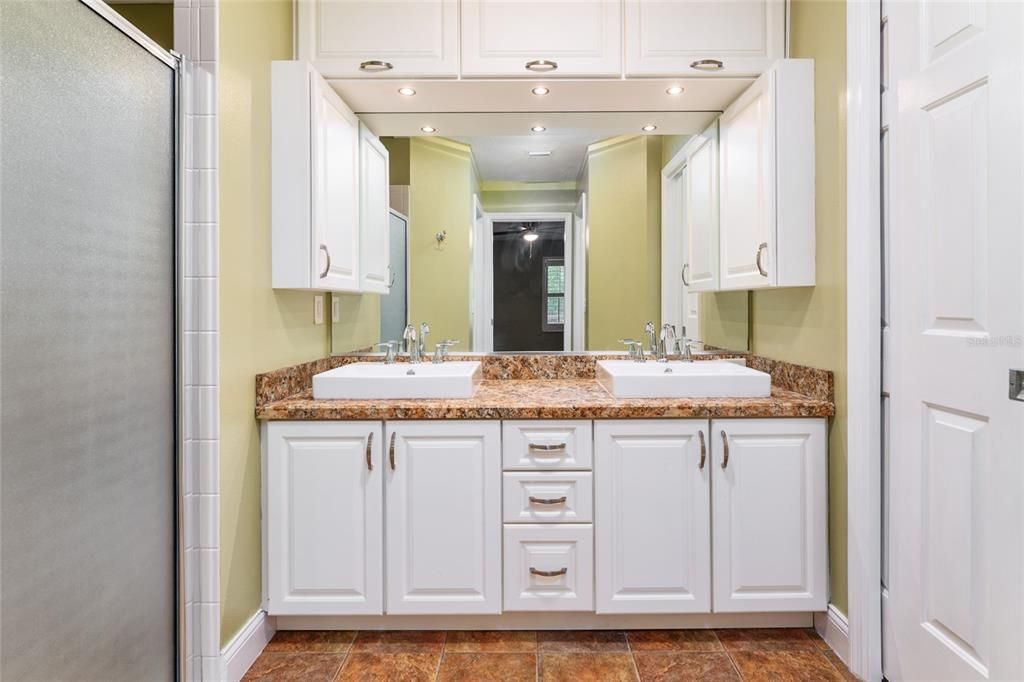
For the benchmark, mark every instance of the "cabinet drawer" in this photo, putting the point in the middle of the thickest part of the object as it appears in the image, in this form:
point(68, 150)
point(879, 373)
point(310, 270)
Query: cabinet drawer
point(548, 497)
point(547, 444)
point(549, 568)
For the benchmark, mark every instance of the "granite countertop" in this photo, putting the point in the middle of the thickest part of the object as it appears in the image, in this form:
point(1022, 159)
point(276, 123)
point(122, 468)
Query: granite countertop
point(576, 398)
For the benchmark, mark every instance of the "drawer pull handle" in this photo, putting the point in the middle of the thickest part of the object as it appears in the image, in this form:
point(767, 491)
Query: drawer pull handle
point(548, 574)
point(542, 500)
point(369, 452)
point(707, 65)
point(703, 450)
point(375, 66)
point(725, 450)
point(557, 447)
point(541, 66)
point(762, 247)
point(391, 451)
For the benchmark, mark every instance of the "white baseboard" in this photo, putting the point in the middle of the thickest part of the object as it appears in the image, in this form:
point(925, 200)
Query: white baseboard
point(245, 647)
point(834, 628)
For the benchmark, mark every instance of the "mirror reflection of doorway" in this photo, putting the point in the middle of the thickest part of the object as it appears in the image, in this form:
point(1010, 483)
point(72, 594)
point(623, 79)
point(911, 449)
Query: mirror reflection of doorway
point(394, 307)
point(530, 285)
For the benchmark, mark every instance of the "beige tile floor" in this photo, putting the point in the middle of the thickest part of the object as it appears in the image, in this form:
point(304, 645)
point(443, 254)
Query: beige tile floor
point(794, 654)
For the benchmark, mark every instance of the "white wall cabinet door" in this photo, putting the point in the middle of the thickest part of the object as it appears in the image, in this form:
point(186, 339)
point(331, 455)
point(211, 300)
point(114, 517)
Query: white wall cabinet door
point(652, 523)
point(323, 518)
point(770, 510)
point(767, 181)
point(375, 214)
point(506, 37)
point(444, 530)
point(358, 38)
point(700, 212)
point(314, 183)
point(703, 38)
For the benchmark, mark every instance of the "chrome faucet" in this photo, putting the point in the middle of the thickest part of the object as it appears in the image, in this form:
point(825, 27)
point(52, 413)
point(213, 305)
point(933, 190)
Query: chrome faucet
point(441, 350)
point(652, 338)
point(635, 348)
point(684, 344)
point(390, 351)
point(411, 348)
point(424, 330)
point(666, 342)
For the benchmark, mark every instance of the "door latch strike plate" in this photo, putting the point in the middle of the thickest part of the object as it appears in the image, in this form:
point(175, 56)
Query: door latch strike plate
point(1017, 384)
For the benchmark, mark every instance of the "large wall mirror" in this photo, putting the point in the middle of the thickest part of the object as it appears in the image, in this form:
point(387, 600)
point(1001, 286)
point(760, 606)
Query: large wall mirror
point(553, 238)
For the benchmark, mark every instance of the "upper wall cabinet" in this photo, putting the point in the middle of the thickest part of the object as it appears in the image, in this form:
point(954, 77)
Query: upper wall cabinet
point(374, 214)
point(357, 38)
point(508, 38)
point(694, 37)
point(766, 170)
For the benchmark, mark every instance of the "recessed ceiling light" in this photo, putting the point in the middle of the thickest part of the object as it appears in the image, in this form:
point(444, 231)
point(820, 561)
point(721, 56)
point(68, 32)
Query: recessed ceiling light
point(649, 128)
point(675, 90)
point(429, 129)
point(538, 129)
point(408, 92)
point(546, 153)
point(540, 90)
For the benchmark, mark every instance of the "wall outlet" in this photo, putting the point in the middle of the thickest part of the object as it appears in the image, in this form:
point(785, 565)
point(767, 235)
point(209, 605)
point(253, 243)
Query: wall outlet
point(318, 309)
point(335, 309)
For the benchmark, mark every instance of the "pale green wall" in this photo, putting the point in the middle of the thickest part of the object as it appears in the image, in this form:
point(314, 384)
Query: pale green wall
point(624, 254)
point(441, 180)
point(398, 153)
point(261, 329)
point(156, 20)
point(808, 325)
point(511, 197)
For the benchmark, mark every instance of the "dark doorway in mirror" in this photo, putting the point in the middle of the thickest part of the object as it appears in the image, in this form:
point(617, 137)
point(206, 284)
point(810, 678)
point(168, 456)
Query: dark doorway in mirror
point(529, 285)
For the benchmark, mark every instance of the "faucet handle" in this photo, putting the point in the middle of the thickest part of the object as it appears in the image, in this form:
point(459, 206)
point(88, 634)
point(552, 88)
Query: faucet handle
point(441, 349)
point(635, 348)
point(390, 349)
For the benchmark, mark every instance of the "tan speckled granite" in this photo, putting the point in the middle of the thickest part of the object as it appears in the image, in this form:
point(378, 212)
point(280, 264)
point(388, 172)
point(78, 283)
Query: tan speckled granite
point(542, 387)
point(546, 399)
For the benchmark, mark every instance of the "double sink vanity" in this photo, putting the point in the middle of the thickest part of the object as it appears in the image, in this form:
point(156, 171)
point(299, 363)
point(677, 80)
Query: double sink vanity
point(541, 490)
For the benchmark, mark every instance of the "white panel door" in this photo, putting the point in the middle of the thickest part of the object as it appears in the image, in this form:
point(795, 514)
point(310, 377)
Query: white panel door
point(507, 37)
point(444, 517)
point(652, 524)
point(700, 241)
point(360, 38)
point(703, 38)
point(375, 214)
point(323, 518)
point(747, 187)
point(770, 508)
point(955, 598)
point(335, 154)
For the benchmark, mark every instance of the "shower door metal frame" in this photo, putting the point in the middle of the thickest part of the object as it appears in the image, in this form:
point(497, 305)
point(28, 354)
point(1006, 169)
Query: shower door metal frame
point(182, 196)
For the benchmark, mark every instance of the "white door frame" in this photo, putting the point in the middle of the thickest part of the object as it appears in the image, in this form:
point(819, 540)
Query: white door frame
point(579, 273)
point(863, 342)
point(483, 276)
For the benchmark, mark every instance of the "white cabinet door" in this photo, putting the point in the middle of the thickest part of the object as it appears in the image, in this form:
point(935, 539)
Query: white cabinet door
point(444, 517)
point(323, 518)
point(700, 211)
point(360, 38)
point(508, 37)
point(703, 37)
point(652, 523)
point(314, 183)
point(769, 493)
point(375, 214)
point(767, 181)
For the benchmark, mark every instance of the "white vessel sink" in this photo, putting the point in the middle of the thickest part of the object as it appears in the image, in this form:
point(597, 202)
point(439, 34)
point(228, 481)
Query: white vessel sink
point(376, 380)
point(702, 379)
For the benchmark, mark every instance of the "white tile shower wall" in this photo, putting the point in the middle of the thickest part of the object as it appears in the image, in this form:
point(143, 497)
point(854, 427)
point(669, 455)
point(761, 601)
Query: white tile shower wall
point(195, 37)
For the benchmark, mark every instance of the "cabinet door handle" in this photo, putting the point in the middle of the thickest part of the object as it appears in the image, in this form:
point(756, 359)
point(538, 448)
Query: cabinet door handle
point(391, 277)
point(725, 450)
point(391, 451)
point(686, 267)
point(548, 574)
point(551, 500)
point(369, 452)
point(762, 247)
point(707, 65)
point(703, 450)
point(541, 65)
point(537, 447)
point(375, 66)
point(327, 267)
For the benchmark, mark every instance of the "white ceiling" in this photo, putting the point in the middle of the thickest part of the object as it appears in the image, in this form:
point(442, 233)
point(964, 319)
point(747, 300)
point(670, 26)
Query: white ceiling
point(506, 157)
